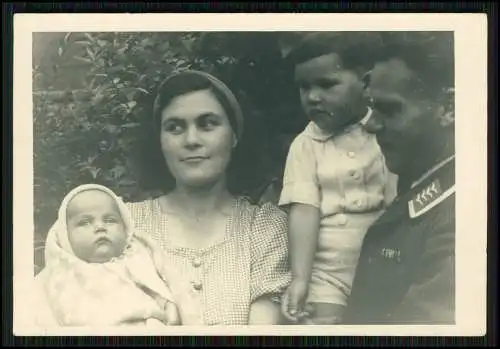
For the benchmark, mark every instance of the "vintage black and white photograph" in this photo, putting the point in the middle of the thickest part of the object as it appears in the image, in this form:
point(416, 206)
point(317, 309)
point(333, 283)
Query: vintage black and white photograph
point(220, 178)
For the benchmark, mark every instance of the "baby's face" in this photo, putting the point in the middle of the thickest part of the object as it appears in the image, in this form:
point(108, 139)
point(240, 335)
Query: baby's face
point(95, 227)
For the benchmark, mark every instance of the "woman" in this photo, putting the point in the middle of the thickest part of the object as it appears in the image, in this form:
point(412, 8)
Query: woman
point(229, 256)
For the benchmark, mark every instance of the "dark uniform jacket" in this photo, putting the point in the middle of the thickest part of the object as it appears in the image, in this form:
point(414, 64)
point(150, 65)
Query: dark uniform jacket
point(406, 270)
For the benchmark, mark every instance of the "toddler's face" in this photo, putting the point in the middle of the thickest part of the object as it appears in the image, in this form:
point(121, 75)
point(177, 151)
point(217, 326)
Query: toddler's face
point(331, 96)
point(95, 228)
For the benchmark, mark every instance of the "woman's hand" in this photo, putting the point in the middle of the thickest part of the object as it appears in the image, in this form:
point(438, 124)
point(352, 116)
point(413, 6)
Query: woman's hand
point(293, 304)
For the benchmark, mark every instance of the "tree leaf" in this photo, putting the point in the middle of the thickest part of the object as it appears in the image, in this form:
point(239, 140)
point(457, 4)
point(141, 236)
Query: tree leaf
point(131, 125)
point(80, 42)
point(83, 59)
point(94, 172)
point(66, 37)
point(90, 53)
point(127, 182)
point(90, 37)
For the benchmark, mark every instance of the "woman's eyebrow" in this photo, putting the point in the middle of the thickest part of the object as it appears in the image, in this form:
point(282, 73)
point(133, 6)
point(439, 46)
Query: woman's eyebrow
point(208, 114)
point(169, 119)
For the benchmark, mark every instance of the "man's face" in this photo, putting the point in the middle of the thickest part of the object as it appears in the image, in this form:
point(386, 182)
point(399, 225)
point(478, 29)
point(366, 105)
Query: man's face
point(406, 119)
point(331, 96)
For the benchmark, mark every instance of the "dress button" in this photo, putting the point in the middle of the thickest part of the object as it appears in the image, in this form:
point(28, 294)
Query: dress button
point(351, 154)
point(196, 262)
point(197, 285)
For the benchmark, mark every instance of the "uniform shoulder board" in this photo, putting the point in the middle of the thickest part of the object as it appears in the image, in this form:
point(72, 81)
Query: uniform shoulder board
point(431, 194)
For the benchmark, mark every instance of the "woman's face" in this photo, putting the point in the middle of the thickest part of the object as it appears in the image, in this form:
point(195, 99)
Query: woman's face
point(196, 138)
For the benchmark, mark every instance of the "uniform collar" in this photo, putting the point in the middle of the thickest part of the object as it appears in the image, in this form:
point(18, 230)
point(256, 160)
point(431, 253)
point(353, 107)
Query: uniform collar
point(316, 133)
point(432, 170)
point(433, 188)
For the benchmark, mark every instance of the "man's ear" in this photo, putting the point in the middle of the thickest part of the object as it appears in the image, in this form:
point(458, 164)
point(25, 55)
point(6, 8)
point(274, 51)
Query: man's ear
point(446, 116)
point(446, 111)
point(366, 79)
point(235, 140)
point(367, 93)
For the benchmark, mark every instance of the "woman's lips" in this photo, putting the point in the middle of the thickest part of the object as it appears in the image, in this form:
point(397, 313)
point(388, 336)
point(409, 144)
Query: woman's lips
point(194, 159)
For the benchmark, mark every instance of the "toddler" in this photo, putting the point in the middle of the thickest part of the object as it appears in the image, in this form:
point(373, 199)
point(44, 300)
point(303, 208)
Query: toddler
point(99, 272)
point(335, 183)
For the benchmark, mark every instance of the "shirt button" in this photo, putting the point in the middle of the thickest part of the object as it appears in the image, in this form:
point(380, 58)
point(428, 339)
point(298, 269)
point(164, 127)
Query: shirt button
point(196, 262)
point(354, 174)
point(197, 286)
point(342, 204)
point(342, 219)
point(351, 154)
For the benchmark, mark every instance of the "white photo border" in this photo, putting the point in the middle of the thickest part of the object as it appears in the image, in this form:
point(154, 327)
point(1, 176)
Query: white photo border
point(471, 37)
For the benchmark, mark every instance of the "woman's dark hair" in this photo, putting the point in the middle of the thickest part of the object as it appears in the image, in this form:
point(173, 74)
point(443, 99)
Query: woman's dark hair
point(155, 173)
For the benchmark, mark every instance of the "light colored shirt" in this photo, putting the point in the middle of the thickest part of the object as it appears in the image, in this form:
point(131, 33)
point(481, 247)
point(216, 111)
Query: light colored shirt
point(346, 178)
point(340, 175)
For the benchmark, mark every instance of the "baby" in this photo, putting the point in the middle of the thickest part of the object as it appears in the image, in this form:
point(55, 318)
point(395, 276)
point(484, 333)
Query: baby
point(99, 271)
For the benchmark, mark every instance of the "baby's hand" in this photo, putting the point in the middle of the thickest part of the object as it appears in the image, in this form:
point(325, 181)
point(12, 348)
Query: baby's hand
point(172, 317)
point(293, 301)
point(155, 323)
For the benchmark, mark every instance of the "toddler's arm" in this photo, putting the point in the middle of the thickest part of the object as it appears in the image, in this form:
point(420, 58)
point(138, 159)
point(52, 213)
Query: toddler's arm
point(303, 233)
point(303, 238)
point(301, 194)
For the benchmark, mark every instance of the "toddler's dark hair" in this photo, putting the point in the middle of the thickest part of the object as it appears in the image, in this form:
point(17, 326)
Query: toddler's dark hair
point(357, 50)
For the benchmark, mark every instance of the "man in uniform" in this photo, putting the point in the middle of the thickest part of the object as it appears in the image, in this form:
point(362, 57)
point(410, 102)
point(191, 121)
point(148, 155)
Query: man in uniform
point(406, 270)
